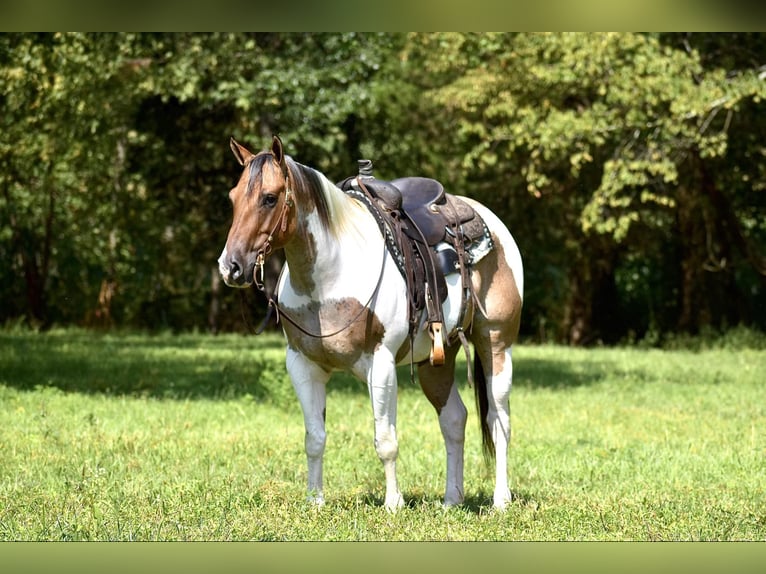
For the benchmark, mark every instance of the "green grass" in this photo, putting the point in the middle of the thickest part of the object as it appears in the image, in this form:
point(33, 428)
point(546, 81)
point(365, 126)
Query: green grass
point(136, 437)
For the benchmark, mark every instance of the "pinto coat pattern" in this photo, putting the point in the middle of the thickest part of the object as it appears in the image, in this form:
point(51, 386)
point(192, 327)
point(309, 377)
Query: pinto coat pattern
point(348, 310)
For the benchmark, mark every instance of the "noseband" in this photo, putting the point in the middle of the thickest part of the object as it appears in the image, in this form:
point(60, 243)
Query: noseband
point(265, 251)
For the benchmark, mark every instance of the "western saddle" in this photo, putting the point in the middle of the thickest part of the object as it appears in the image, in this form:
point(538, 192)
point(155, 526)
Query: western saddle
point(430, 234)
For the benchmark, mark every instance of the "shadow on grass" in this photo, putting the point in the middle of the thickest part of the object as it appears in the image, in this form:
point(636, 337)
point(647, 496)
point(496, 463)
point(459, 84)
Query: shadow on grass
point(531, 373)
point(162, 366)
point(193, 366)
point(556, 374)
point(477, 504)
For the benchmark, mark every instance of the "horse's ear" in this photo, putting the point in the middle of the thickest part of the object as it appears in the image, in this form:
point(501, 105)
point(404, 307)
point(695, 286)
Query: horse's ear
point(242, 154)
point(279, 154)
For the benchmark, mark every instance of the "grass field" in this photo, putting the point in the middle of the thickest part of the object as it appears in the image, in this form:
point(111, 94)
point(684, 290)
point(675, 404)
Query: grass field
point(193, 437)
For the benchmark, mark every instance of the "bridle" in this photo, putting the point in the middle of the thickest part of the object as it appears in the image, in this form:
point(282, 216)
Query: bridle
point(258, 276)
point(274, 306)
point(266, 250)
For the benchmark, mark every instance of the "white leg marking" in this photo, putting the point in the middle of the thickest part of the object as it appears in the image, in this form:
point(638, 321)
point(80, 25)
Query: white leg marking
point(381, 382)
point(499, 421)
point(309, 382)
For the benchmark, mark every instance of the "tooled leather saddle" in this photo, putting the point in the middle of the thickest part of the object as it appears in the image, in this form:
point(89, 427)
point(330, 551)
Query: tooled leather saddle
point(430, 234)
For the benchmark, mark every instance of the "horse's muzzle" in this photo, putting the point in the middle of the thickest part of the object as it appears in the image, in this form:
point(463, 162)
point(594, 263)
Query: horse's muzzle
point(236, 270)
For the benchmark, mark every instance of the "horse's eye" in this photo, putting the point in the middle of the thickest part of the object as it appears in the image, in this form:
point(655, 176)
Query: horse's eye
point(269, 200)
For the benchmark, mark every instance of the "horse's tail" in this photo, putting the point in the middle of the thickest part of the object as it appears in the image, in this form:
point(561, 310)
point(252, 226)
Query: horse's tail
point(482, 405)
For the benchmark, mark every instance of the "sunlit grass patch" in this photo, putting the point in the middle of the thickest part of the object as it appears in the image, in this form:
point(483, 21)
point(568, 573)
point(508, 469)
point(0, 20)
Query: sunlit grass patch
point(135, 437)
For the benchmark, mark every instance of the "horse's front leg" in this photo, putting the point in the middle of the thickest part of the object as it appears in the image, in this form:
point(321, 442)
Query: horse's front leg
point(381, 381)
point(309, 381)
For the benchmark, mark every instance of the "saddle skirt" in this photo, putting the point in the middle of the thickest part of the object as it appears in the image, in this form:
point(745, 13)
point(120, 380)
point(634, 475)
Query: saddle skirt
point(430, 234)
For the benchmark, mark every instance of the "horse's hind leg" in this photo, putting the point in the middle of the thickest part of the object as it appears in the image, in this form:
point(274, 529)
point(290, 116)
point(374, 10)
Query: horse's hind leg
point(493, 337)
point(498, 282)
point(496, 362)
point(439, 386)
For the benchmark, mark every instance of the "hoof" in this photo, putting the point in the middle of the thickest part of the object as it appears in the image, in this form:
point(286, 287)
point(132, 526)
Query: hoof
point(394, 503)
point(316, 499)
point(502, 500)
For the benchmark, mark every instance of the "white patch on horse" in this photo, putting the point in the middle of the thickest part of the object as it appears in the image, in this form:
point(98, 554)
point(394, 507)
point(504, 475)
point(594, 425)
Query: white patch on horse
point(223, 268)
point(339, 277)
point(498, 419)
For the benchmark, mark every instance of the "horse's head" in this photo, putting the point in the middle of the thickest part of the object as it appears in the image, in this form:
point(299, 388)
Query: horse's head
point(263, 218)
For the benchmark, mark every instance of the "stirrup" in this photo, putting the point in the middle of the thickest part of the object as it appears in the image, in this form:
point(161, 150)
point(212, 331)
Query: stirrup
point(437, 346)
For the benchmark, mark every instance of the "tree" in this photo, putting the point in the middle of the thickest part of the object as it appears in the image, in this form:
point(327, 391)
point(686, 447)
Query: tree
point(629, 166)
point(58, 189)
point(607, 132)
point(115, 161)
point(311, 88)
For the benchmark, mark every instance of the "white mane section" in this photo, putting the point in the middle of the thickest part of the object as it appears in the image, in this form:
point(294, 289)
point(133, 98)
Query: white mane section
point(348, 218)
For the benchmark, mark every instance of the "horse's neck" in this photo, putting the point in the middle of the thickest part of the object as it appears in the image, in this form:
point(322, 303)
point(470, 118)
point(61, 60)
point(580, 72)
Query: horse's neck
point(321, 260)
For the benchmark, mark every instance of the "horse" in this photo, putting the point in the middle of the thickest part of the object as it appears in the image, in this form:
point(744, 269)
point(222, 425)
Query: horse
point(343, 304)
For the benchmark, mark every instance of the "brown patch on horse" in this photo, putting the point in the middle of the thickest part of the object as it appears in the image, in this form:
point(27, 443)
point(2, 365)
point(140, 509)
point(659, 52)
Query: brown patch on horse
point(362, 336)
point(498, 292)
point(437, 382)
point(302, 255)
point(496, 289)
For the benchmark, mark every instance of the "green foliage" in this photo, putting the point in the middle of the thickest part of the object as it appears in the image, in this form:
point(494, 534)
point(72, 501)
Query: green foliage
point(616, 136)
point(115, 159)
point(57, 197)
point(552, 104)
point(735, 339)
point(136, 437)
point(604, 153)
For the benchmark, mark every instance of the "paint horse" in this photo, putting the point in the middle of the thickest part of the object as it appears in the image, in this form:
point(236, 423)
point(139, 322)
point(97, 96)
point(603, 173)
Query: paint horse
point(347, 305)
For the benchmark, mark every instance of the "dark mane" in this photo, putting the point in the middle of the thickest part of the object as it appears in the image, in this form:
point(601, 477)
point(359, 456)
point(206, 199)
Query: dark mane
point(305, 182)
point(255, 170)
point(307, 185)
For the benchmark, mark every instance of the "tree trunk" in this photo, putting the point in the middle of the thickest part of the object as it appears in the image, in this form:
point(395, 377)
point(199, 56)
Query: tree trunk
point(214, 312)
point(35, 253)
point(592, 308)
point(35, 286)
point(693, 237)
point(708, 229)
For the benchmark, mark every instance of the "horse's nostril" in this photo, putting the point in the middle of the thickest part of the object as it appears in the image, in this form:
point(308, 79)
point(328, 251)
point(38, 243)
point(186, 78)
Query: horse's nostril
point(235, 269)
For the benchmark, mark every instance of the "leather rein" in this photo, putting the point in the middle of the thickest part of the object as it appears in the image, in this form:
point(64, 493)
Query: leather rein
point(258, 280)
